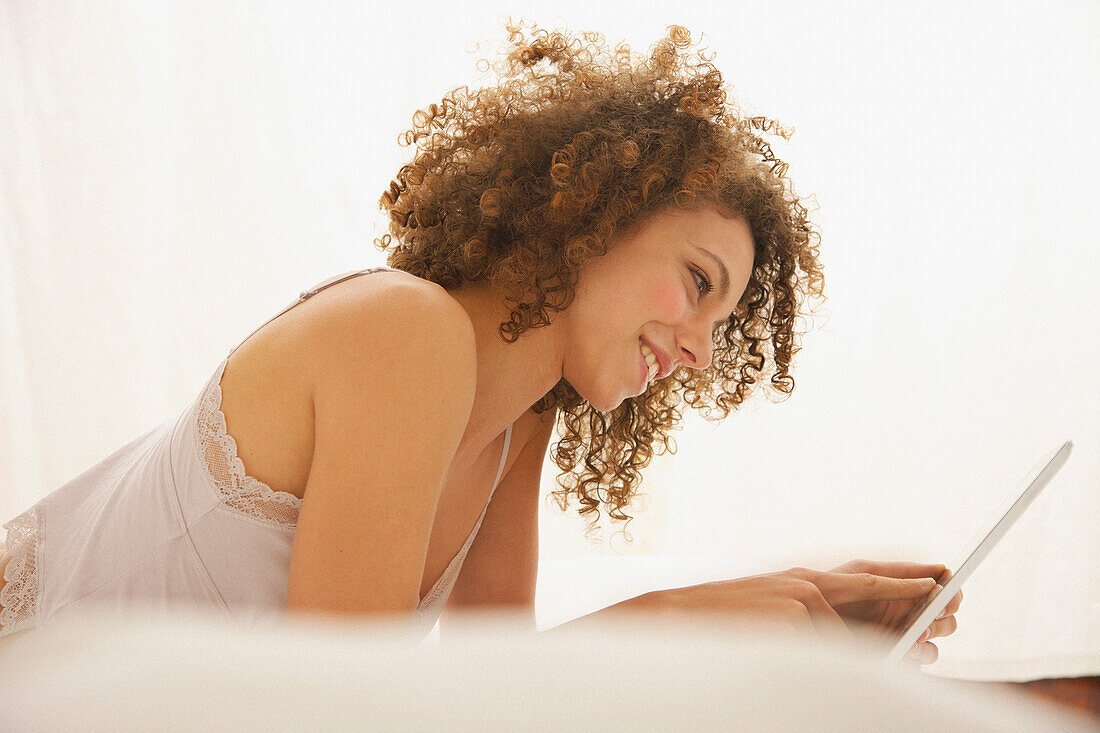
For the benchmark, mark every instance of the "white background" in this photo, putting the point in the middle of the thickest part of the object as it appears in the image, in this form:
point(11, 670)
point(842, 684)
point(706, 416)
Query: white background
point(172, 174)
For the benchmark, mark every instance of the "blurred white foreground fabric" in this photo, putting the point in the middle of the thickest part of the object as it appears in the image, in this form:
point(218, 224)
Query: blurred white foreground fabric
point(186, 672)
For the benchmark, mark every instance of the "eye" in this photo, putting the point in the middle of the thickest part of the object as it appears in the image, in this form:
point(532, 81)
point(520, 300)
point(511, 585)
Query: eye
point(706, 285)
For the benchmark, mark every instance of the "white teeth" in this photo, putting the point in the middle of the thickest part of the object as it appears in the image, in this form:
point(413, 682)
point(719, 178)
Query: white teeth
point(650, 360)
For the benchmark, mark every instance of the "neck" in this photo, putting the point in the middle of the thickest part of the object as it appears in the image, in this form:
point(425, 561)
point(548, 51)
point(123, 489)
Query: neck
point(510, 377)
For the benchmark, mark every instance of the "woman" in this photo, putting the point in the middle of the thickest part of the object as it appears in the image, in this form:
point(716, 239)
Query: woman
point(595, 238)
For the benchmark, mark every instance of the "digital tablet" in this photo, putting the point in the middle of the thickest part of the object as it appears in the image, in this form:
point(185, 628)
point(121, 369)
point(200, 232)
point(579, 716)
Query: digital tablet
point(922, 615)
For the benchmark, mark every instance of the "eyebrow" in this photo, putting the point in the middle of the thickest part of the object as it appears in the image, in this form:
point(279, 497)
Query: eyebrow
point(724, 284)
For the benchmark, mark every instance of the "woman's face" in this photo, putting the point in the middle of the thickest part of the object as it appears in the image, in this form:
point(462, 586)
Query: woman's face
point(652, 286)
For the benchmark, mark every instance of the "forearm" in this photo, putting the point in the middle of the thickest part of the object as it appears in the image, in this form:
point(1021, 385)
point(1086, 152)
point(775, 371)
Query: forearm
point(630, 609)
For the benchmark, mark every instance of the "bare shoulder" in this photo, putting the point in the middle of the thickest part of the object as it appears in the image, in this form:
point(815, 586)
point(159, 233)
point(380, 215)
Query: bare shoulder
point(369, 321)
point(377, 298)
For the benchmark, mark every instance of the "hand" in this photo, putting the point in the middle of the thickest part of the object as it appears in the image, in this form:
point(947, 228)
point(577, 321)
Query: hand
point(884, 615)
point(798, 599)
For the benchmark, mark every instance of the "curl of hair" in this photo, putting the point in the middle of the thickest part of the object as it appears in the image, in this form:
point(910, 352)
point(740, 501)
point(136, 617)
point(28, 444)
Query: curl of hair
point(522, 183)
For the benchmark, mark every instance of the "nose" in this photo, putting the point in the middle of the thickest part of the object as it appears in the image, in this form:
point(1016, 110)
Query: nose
point(695, 349)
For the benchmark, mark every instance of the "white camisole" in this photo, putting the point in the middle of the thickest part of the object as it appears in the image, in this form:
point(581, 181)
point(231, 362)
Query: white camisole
point(171, 519)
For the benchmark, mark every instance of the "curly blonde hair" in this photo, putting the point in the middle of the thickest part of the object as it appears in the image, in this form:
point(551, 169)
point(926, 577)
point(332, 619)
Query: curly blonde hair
point(524, 182)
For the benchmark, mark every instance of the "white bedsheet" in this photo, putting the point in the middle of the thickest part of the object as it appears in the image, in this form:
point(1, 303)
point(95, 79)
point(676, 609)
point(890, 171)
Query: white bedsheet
point(193, 673)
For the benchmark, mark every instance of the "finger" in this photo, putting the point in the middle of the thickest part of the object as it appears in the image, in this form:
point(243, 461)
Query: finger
point(913, 655)
point(922, 653)
point(956, 601)
point(840, 588)
point(941, 627)
point(823, 616)
point(895, 569)
point(799, 616)
point(953, 605)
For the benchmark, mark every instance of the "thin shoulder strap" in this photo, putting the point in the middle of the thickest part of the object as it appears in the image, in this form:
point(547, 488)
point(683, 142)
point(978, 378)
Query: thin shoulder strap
point(306, 294)
point(503, 458)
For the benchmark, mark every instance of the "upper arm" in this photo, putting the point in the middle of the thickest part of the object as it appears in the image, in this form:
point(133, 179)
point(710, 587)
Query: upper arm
point(501, 568)
point(393, 382)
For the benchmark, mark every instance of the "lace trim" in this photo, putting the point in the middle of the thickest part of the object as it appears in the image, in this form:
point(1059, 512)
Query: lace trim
point(452, 569)
point(449, 572)
point(218, 450)
point(19, 597)
point(218, 455)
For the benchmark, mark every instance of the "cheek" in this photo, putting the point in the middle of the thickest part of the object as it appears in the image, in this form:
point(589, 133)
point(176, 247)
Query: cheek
point(666, 300)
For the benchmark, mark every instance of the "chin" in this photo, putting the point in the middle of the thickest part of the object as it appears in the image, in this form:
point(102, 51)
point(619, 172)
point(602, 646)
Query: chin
point(599, 402)
point(609, 405)
point(603, 398)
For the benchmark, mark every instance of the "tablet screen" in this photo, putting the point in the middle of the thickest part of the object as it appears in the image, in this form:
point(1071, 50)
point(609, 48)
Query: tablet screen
point(923, 614)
